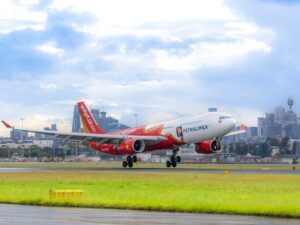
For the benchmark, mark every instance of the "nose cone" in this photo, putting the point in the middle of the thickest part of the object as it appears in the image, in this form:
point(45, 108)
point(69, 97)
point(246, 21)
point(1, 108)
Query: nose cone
point(231, 123)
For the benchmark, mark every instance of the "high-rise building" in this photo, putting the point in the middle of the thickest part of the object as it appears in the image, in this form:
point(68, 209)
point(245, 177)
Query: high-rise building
point(96, 115)
point(251, 132)
point(109, 124)
point(281, 123)
point(17, 135)
point(261, 127)
point(270, 119)
point(76, 120)
point(279, 115)
point(290, 118)
point(53, 127)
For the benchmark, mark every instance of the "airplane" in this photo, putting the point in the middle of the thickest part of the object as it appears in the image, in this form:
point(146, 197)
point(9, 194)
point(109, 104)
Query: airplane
point(205, 131)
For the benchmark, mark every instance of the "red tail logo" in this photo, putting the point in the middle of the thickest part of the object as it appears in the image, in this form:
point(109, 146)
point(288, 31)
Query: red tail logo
point(6, 124)
point(89, 123)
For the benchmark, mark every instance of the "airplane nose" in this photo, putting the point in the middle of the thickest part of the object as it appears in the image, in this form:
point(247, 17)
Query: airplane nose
point(232, 123)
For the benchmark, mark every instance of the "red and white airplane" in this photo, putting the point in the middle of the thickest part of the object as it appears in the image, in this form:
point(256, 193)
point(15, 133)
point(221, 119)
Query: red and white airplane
point(203, 130)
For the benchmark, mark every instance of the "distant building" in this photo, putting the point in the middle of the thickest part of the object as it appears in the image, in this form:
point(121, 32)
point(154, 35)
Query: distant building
point(17, 135)
point(53, 127)
point(76, 120)
point(281, 123)
point(260, 127)
point(109, 124)
point(251, 132)
point(279, 115)
point(96, 115)
point(46, 137)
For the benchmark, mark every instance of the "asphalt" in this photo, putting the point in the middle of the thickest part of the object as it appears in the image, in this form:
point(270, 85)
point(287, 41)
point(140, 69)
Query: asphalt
point(158, 170)
point(34, 215)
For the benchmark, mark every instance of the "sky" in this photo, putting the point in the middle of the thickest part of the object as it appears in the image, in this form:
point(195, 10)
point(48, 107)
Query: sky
point(157, 59)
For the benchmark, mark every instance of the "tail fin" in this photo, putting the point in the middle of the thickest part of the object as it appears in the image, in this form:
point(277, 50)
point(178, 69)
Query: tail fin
point(89, 123)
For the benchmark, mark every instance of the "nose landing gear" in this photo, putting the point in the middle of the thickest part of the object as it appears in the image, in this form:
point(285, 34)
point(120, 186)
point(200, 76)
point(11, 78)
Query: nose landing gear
point(174, 159)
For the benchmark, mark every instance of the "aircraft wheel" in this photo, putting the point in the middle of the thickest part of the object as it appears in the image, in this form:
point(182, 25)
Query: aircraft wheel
point(129, 159)
point(178, 159)
point(168, 164)
point(174, 164)
point(173, 159)
point(130, 164)
point(124, 164)
point(134, 158)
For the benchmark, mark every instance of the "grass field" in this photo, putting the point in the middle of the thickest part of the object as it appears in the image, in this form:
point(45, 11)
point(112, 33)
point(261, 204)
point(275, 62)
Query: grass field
point(254, 194)
point(91, 165)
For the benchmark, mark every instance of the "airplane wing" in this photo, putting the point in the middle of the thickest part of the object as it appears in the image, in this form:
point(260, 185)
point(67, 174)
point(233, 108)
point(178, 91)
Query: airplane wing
point(88, 137)
point(235, 132)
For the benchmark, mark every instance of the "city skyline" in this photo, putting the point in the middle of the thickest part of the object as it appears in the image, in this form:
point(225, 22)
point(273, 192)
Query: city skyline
point(157, 60)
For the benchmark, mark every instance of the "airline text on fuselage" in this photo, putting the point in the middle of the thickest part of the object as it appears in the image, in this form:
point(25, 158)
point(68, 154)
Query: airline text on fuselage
point(194, 129)
point(88, 118)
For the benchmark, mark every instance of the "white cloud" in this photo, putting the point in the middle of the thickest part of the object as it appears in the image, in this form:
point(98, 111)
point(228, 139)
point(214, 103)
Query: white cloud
point(132, 13)
point(20, 16)
point(207, 54)
point(220, 37)
point(50, 48)
point(50, 87)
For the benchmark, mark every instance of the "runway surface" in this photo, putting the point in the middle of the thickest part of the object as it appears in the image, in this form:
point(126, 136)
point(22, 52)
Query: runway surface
point(17, 214)
point(158, 170)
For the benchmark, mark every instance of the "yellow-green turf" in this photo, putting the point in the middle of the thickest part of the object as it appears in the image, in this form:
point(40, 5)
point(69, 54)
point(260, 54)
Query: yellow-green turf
point(251, 194)
point(93, 165)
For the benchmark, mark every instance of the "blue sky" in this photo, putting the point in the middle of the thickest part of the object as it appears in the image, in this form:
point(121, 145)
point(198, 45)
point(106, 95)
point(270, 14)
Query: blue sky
point(160, 59)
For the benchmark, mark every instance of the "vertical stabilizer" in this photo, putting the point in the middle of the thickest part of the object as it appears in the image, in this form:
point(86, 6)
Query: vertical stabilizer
point(89, 123)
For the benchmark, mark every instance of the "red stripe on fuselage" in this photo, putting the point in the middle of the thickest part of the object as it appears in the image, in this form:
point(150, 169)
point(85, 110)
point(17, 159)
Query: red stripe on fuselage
point(141, 130)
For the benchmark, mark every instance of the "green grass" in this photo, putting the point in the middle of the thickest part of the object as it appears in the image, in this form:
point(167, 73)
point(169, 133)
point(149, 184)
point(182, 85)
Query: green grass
point(254, 194)
point(92, 165)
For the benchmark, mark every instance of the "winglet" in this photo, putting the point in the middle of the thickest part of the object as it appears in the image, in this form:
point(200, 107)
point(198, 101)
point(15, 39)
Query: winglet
point(242, 127)
point(6, 124)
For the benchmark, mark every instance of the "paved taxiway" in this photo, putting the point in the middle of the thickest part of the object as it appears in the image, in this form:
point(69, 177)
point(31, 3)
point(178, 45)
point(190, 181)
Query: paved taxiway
point(157, 170)
point(17, 214)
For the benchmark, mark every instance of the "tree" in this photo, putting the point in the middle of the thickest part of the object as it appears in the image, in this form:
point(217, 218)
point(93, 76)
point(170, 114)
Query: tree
point(273, 141)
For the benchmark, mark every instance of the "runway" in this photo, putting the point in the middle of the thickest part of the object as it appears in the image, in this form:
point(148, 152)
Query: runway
point(31, 215)
point(157, 170)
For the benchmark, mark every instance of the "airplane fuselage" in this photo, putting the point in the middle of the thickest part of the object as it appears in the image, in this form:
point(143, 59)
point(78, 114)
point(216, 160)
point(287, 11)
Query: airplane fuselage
point(187, 130)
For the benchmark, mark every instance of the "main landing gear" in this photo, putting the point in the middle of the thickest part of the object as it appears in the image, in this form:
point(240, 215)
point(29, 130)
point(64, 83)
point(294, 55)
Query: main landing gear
point(174, 159)
point(129, 161)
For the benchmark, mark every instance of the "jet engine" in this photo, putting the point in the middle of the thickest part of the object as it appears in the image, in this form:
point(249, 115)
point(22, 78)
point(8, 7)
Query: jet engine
point(131, 146)
point(208, 147)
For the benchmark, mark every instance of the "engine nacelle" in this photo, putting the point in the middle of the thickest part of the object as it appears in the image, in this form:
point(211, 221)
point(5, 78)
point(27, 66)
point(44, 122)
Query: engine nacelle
point(131, 146)
point(208, 147)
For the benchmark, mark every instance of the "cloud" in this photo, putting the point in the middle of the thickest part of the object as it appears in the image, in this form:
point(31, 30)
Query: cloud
point(17, 15)
point(50, 48)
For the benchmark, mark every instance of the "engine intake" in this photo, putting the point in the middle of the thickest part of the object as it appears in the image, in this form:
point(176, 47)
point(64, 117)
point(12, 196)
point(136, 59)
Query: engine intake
point(208, 147)
point(131, 146)
point(138, 146)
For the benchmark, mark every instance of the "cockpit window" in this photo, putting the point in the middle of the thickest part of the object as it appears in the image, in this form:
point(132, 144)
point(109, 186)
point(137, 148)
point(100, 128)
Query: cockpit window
point(224, 117)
